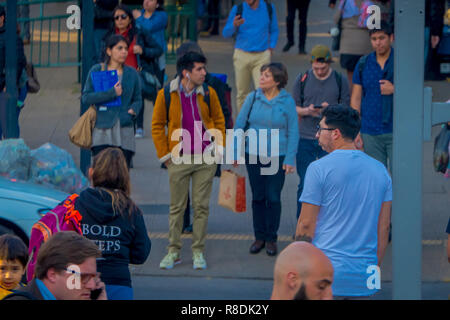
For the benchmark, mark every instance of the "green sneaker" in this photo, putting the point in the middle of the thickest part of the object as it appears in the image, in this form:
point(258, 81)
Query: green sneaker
point(199, 262)
point(171, 259)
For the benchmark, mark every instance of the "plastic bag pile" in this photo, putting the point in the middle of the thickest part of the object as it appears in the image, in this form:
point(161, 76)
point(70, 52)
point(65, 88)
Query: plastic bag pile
point(47, 165)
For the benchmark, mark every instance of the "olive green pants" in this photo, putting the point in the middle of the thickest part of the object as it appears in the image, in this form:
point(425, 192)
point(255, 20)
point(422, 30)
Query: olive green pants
point(180, 176)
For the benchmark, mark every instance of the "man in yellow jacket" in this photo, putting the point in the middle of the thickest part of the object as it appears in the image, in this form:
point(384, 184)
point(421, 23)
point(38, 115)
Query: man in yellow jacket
point(190, 149)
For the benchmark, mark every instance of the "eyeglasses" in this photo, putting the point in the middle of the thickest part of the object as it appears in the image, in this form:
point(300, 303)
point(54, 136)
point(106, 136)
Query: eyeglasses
point(319, 128)
point(121, 16)
point(85, 277)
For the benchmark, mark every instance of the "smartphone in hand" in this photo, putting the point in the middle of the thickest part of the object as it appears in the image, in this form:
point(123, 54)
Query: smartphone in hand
point(96, 293)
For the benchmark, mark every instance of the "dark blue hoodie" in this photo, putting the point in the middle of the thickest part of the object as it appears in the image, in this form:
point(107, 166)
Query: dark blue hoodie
point(121, 238)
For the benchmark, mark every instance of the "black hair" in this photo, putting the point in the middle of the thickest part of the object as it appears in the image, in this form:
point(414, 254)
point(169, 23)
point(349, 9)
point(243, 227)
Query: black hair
point(187, 61)
point(384, 27)
point(2, 11)
point(129, 13)
point(344, 118)
point(12, 248)
point(161, 5)
point(279, 73)
point(111, 42)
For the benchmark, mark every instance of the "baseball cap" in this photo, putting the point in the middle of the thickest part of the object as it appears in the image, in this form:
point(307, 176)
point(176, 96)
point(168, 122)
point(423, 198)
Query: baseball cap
point(321, 53)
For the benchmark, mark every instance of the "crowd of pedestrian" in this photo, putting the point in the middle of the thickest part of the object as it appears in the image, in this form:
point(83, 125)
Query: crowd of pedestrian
point(334, 130)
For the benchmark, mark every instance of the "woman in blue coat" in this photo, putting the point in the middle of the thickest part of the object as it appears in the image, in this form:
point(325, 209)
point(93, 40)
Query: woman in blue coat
point(269, 109)
point(114, 126)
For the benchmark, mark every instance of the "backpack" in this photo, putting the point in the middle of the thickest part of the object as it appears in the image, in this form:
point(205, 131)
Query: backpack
point(167, 99)
point(63, 217)
point(304, 78)
point(240, 10)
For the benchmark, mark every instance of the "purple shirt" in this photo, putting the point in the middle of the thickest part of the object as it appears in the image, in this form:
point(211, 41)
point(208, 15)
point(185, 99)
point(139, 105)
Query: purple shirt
point(192, 125)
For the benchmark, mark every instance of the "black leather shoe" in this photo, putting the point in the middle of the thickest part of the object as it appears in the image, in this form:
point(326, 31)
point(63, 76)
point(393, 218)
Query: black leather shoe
point(257, 246)
point(302, 51)
point(271, 248)
point(287, 47)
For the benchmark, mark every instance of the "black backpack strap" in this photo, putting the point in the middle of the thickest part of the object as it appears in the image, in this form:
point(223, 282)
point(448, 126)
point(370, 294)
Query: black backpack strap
point(362, 64)
point(250, 111)
point(167, 100)
point(270, 11)
point(339, 83)
point(303, 80)
point(207, 97)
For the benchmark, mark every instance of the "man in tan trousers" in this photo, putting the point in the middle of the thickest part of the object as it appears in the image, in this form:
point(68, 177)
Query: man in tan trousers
point(254, 25)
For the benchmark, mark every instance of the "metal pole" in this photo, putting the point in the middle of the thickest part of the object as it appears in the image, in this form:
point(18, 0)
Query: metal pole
point(87, 20)
point(408, 149)
point(12, 128)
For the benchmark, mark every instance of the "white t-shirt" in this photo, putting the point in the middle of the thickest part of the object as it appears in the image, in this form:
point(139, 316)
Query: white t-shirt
point(350, 187)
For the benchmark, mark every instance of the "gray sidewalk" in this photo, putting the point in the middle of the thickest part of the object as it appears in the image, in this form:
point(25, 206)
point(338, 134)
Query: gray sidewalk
point(49, 115)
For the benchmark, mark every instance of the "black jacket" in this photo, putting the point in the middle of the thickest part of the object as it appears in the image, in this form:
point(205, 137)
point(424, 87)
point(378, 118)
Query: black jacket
point(122, 240)
point(103, 9)
point(30, 292)
point(21, 59)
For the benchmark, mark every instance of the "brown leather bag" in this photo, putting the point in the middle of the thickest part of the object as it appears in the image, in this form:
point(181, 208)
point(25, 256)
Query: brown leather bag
point(81, 132)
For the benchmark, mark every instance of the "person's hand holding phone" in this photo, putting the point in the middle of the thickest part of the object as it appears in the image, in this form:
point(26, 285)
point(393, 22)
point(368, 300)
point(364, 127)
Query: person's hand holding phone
point(238, 21)
point(313, 112)
point(99, 293)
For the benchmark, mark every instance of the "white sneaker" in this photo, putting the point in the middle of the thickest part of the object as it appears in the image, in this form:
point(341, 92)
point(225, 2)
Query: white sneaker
point(199, 262)
point(170, 260)
point(139, 133)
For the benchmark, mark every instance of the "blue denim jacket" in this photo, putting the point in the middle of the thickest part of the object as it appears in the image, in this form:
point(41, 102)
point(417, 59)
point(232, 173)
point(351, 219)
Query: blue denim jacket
point(278, 113)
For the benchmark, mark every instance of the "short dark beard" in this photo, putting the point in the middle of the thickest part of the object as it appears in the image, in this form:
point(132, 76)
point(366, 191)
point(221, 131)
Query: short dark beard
point(301, 293)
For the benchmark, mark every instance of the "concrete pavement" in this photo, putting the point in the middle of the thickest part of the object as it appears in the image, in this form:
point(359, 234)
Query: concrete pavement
point(49, 115)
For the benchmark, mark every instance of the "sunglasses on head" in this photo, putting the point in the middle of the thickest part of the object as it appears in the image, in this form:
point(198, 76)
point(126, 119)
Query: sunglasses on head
point(121, 16)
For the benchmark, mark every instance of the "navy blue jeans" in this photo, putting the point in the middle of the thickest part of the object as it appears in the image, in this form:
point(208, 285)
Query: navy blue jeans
point(266, 203)
point(307, 152)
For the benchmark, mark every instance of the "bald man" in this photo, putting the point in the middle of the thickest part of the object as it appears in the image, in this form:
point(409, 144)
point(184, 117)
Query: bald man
point(302, 272)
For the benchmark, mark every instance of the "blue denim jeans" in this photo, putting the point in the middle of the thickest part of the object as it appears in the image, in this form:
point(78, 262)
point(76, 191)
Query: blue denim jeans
point(307, 152)
point(266, 199)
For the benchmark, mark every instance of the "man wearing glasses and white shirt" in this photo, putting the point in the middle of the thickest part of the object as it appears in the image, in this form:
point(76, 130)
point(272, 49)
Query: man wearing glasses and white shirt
point(346, 205)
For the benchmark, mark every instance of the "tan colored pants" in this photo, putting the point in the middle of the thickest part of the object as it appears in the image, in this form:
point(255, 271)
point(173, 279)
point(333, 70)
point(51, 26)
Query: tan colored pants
point(247, 66)
point(180, 177)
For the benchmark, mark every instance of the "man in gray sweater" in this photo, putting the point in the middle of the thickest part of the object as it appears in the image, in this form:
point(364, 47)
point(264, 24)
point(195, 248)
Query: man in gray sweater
point(313, 91)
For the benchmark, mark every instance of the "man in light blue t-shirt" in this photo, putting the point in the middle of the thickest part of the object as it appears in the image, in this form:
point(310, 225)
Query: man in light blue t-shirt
point(347, 206)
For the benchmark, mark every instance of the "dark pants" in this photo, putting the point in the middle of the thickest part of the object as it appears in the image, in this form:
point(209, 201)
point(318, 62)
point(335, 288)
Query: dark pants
point(302, 7)
point(307, 152)
point(126, 153)
point(213, 20)
point(3, 109)
point(266, 203)
point(140, 116)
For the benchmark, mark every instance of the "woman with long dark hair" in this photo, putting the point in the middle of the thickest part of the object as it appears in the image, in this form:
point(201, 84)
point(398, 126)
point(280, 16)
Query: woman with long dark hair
point(143, 51)
point(113, 221)
point(114, 126)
